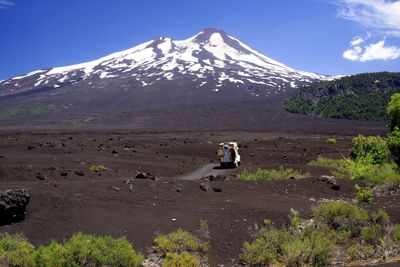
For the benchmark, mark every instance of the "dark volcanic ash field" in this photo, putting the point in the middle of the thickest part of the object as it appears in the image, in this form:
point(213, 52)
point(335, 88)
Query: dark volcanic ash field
point(53, 162)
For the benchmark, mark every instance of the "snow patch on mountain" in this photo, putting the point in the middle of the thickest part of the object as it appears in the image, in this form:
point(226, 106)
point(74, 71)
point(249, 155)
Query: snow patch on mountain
point(211, 56)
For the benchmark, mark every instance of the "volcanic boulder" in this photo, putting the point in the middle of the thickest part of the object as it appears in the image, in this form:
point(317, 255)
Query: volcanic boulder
point(331, 181)
point(145, 175)
point(13, 205)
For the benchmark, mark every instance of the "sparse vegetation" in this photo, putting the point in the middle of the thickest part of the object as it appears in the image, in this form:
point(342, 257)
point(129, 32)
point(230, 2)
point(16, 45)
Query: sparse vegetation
point(341, 216)
point(380, 217)
point(98, 168)
point(15, 251)
point(372, 234)
point(181, 248)
point(273, 174)
point(324, 162)
point(289, 246)
point(80, 250)
point(370, 146)
point(393, 111)
point(179, 241)
point(20, 111)
point(396, 233)
point(331, 141)
point(183, 259)
point(364, 194)
point(337, 229)
point(369, 163)
point(393, 141)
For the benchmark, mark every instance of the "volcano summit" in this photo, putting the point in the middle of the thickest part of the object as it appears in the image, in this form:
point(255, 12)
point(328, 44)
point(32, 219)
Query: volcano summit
point(210, 62)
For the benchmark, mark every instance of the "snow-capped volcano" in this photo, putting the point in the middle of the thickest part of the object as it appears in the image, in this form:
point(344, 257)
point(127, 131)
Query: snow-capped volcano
point(212, 60)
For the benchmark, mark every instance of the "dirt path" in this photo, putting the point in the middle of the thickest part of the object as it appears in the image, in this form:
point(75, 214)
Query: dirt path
point(206, 170)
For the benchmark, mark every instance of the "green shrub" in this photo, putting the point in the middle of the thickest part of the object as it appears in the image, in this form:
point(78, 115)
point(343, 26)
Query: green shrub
point(15, 251)
point(97, 168)
point(393, 140)
point(180, 260)
point(396, 233)
point(179, 241)
point(81, 249)
point(324, 162)
point(387, 174)
point(338, 237)
point(264, 250)
point(273, 174)
point(374, 146)
point(359, 169)
point(380, 217)
point(52, 255)
point(364, 194)
point(358, 252)
point(362, 169)
point(313, 249)
point(341, 216)
point(331, 141)
point(371, 234)
point(88, 250)
point(271, 246)
point(393, 110)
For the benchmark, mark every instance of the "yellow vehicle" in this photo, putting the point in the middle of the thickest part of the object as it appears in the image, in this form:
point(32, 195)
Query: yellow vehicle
point(228, 154)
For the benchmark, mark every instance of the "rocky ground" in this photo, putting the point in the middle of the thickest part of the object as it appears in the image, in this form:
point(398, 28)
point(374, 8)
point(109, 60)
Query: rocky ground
point(67, 195)
point(80, 174)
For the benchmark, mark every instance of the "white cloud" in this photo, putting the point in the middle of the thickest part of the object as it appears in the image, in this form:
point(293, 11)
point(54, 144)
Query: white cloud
point(380, 15)
point(375, 51)
point(380, 51)
point(5, 4)
point(353, 53)
point(357, 41)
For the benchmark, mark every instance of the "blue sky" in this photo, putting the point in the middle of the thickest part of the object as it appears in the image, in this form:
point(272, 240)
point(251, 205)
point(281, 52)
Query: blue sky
point(323, 36)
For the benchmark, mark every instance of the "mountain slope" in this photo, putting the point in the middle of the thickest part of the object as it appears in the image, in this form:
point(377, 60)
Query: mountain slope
point(211, 59)
point(362, 96)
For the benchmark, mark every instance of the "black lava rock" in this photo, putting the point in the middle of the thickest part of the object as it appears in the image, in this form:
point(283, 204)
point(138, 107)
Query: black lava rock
point(13, 205)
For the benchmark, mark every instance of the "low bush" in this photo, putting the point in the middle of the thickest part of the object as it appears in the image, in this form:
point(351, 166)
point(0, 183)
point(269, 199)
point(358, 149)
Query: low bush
point(393, 140)
point(264, 250)
point(359, 169)
point(180, 260)
point(336, 227)
point(80, 250)
point(273, 174)
point(324, 162)
point(15, 251)
point(373, 146)
point(341, 216)
point(380, 217)
point(360, 252)
point(179, 241)
point(51, 255)
point(387, 174)
point(311, 249)
point(371, 234)
point(331, 141)
point(97, 168)
point(364, 194)
point(396, 233)
point(288, 247)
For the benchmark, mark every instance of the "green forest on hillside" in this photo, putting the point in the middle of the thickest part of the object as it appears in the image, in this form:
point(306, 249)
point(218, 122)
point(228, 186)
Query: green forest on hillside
point(359, 97)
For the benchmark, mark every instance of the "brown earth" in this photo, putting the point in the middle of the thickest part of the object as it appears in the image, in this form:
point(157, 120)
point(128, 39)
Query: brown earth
point(53, 162)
